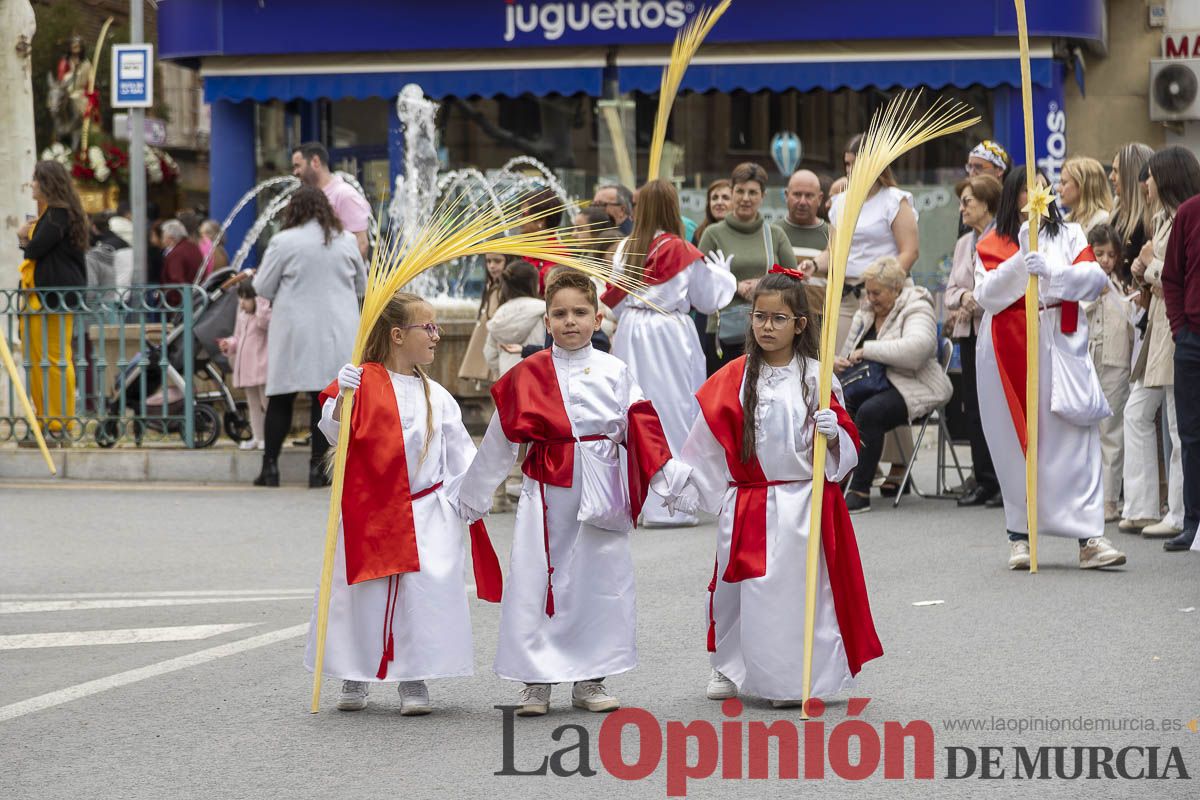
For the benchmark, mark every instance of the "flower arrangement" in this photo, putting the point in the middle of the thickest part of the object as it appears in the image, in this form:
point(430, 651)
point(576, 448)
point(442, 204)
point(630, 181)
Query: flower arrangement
point(106, 162)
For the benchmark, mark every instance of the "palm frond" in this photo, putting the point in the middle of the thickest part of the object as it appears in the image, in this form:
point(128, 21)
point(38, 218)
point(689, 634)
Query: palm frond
point(686, 44)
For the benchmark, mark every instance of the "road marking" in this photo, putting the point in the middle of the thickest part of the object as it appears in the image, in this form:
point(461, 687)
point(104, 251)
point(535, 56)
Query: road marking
point(32, 606)
point(190, 593)
point(79, 691)
point(68, 484)
point(182, 633)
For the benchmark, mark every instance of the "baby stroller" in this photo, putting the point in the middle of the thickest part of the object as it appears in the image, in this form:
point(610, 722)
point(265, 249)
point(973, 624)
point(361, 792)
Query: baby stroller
point(156, 374)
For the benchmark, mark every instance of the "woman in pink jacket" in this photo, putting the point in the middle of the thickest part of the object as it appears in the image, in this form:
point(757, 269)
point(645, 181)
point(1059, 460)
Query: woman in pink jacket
point(248, 348)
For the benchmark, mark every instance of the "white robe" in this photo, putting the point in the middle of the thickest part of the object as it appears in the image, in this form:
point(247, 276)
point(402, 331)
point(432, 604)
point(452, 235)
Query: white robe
point(663, 352)
point(760, 621)
point(593, 631)
point(431, 619)
point(1070, 481)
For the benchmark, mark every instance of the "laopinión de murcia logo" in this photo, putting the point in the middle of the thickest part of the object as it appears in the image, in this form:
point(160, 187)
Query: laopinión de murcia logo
point(552, 20)
point(633, 745)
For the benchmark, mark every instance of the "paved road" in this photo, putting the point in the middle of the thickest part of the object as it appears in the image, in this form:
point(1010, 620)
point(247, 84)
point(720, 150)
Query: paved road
point(215, 705)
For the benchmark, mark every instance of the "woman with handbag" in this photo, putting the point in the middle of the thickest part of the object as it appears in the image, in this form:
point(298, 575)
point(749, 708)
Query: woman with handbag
point(888, 368)
point(748, 246)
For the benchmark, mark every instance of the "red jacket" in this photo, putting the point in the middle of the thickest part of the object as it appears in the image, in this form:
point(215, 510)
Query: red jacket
point(1181, 269)
point(180, 265)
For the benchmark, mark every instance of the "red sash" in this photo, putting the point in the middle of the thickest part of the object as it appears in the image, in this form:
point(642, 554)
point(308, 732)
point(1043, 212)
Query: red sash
point(669, 255)
point(720, 403)
point(378, 531)
point(1008, 328)
point(531, 411)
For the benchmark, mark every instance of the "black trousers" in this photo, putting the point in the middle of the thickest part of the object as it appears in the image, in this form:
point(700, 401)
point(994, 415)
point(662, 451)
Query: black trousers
point(876, 416)
point(1187, 412)
point(279, 424)
point(981, 457)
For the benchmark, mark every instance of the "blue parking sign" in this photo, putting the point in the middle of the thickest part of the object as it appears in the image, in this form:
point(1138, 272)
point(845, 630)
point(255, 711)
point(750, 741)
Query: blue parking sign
point(133, 75)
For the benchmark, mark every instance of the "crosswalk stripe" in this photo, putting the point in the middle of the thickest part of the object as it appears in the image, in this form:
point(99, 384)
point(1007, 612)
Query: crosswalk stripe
point(31, 606)
point(181, 633)
point(58, 698)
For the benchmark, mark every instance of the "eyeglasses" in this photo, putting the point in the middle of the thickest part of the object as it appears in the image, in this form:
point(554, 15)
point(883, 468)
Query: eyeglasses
point(759, 319)
point(434, 331)
point(973, 169)
point(966, 200)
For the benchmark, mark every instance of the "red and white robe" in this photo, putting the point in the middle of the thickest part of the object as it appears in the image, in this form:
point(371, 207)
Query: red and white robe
point(398, 609)
point(663, 350)
point(569, 610)
point(1070, 400)
point(755, 604)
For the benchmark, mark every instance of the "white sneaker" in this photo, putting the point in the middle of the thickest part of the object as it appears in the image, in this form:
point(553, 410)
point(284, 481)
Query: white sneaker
point(1161, 530)
point(593, 696)
point(1129, 525)
point(720, 687)
point(534, 700)
point(1099, 552)
point(353, 696)
point(1018, 554)
point(249, 444)
point(260, 444)
point(414, 699)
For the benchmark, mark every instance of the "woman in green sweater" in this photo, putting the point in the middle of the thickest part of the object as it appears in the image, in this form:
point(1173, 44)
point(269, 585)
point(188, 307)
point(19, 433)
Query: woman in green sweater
point(749, 248)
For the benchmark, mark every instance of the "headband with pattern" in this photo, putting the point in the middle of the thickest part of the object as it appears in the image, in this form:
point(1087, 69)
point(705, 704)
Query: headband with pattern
point(991, 152)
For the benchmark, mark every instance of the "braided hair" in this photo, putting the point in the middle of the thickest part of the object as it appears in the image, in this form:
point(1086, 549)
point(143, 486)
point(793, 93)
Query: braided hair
point(791, 291)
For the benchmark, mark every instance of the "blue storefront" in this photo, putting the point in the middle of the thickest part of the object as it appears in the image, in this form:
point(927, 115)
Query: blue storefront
point(304, 53)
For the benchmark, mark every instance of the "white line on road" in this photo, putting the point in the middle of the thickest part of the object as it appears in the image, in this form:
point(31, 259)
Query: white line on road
point(181, 633)
point(30, 606)
point(169, 593)
point(58, 698)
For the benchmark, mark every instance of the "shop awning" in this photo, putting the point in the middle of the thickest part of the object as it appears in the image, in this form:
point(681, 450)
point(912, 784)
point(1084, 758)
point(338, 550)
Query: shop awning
point(832, 66)
point(808, 75)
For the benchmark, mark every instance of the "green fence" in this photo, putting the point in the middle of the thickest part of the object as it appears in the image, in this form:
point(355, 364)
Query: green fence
point(106, 365)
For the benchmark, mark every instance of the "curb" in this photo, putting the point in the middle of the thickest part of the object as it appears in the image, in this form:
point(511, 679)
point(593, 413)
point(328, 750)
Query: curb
point(225, 465)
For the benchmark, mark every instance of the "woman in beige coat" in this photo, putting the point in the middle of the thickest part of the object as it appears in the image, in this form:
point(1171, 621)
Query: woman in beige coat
point(474, 364)
point(899, 330)
point(1174, 177)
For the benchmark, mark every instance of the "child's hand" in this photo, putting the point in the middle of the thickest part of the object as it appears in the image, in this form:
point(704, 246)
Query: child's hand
point(349, 377)
point(223, 346)
point(826, 422)
point(511, 348)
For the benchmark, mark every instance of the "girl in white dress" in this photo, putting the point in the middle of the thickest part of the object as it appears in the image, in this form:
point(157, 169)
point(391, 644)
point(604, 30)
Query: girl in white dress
point(750, 452)
point(398, 610)
point(663, 351)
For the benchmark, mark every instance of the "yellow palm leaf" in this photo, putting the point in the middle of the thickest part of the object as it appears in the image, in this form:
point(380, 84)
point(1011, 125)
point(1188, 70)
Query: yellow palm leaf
point(894, 130)
point(686, 44)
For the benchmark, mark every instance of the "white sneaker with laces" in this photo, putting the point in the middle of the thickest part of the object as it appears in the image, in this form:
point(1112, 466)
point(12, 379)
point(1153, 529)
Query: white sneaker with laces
point(353, 696)
point(414, 698)
point(593, 696)
point(1018, 554)
point(249, 444)
point(534, 700)
point(720, 687)
point(1099, 552)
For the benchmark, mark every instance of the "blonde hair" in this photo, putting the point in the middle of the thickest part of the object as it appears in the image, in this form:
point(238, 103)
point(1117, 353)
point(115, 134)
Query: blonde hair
point(397, 314)
point(1095, 194)
point(886, 270)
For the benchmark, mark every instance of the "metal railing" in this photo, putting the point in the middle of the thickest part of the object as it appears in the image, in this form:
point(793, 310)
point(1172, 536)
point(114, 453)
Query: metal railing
point(107, 364)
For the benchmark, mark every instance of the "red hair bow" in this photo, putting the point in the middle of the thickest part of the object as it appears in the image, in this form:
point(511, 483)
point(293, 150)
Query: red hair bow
point(791, 273)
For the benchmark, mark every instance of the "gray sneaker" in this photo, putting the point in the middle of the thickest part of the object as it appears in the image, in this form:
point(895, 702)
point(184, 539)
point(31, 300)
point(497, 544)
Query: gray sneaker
point(353, 696)
point(593, 696)
point(534, 700)
point(414, 699)
point(1099, 552)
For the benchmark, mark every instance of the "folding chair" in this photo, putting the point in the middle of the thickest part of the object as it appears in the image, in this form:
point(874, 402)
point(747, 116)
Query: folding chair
point(938, 416)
